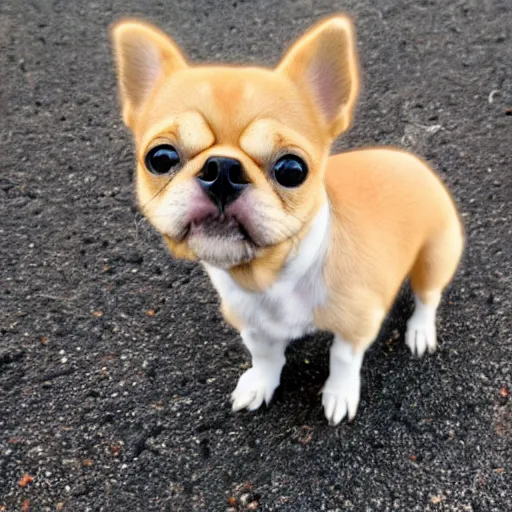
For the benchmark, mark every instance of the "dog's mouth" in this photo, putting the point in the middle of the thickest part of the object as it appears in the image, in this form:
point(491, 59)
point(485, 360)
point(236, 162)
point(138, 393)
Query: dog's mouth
point(221, 240)
point(222, 226)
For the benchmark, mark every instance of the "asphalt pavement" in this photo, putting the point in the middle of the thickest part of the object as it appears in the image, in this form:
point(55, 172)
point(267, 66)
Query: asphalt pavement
point(115, 365)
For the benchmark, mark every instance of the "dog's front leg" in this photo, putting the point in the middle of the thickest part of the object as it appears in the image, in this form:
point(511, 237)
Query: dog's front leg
point(342, 388)
point(259, 382)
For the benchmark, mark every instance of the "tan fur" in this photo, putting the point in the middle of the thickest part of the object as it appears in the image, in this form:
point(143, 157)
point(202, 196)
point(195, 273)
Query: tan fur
point(333, 41)
point(391, 216)
point(230, 317)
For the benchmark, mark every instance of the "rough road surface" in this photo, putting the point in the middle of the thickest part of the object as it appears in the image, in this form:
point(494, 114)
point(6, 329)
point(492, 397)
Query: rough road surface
point(115, 366)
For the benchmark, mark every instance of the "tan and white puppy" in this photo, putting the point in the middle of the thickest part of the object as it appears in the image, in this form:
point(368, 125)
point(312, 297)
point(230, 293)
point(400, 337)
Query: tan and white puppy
point(233, 169)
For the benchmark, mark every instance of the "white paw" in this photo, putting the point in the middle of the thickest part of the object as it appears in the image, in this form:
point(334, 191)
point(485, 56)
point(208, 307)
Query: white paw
point(255, 386)
point(340, 397)
point(421, 335)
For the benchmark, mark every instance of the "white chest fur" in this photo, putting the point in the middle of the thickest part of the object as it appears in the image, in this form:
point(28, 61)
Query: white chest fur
point(285, 310)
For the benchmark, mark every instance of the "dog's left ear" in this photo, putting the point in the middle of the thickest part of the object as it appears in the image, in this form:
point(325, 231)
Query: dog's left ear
point(144, 55)
point(323, 63)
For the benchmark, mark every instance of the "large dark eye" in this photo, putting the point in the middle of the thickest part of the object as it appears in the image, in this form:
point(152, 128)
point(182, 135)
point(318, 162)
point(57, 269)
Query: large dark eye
point(161, 159)
point(290, 171)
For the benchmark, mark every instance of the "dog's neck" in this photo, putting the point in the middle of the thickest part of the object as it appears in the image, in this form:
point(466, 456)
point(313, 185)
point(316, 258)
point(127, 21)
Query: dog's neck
point(291, 258)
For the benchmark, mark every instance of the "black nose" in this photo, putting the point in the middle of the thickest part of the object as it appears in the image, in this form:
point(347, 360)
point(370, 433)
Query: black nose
point(223, 179)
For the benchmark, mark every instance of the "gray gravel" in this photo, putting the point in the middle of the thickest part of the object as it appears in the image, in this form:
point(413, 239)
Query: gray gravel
point(115, 365)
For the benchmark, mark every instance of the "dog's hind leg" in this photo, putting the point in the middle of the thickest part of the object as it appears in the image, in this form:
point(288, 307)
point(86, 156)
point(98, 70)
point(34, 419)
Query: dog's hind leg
point(434, 268)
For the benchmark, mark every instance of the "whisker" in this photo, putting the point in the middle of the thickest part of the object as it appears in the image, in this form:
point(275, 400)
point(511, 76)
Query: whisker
point(143, 207)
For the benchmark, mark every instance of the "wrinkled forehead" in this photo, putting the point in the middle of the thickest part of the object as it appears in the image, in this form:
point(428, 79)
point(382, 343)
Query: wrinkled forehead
point(230, 100)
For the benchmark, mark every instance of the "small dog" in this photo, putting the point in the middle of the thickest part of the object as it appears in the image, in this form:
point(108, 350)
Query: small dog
point(233, 169)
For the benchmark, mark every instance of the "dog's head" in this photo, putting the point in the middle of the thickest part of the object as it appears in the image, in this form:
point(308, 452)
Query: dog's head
point(230, 160)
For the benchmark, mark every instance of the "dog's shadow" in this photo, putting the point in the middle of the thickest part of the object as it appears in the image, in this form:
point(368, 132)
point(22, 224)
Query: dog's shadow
point(307, 362)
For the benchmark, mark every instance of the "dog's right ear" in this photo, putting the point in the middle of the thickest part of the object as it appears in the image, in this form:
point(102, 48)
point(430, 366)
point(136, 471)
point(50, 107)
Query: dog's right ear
point(144, 55)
